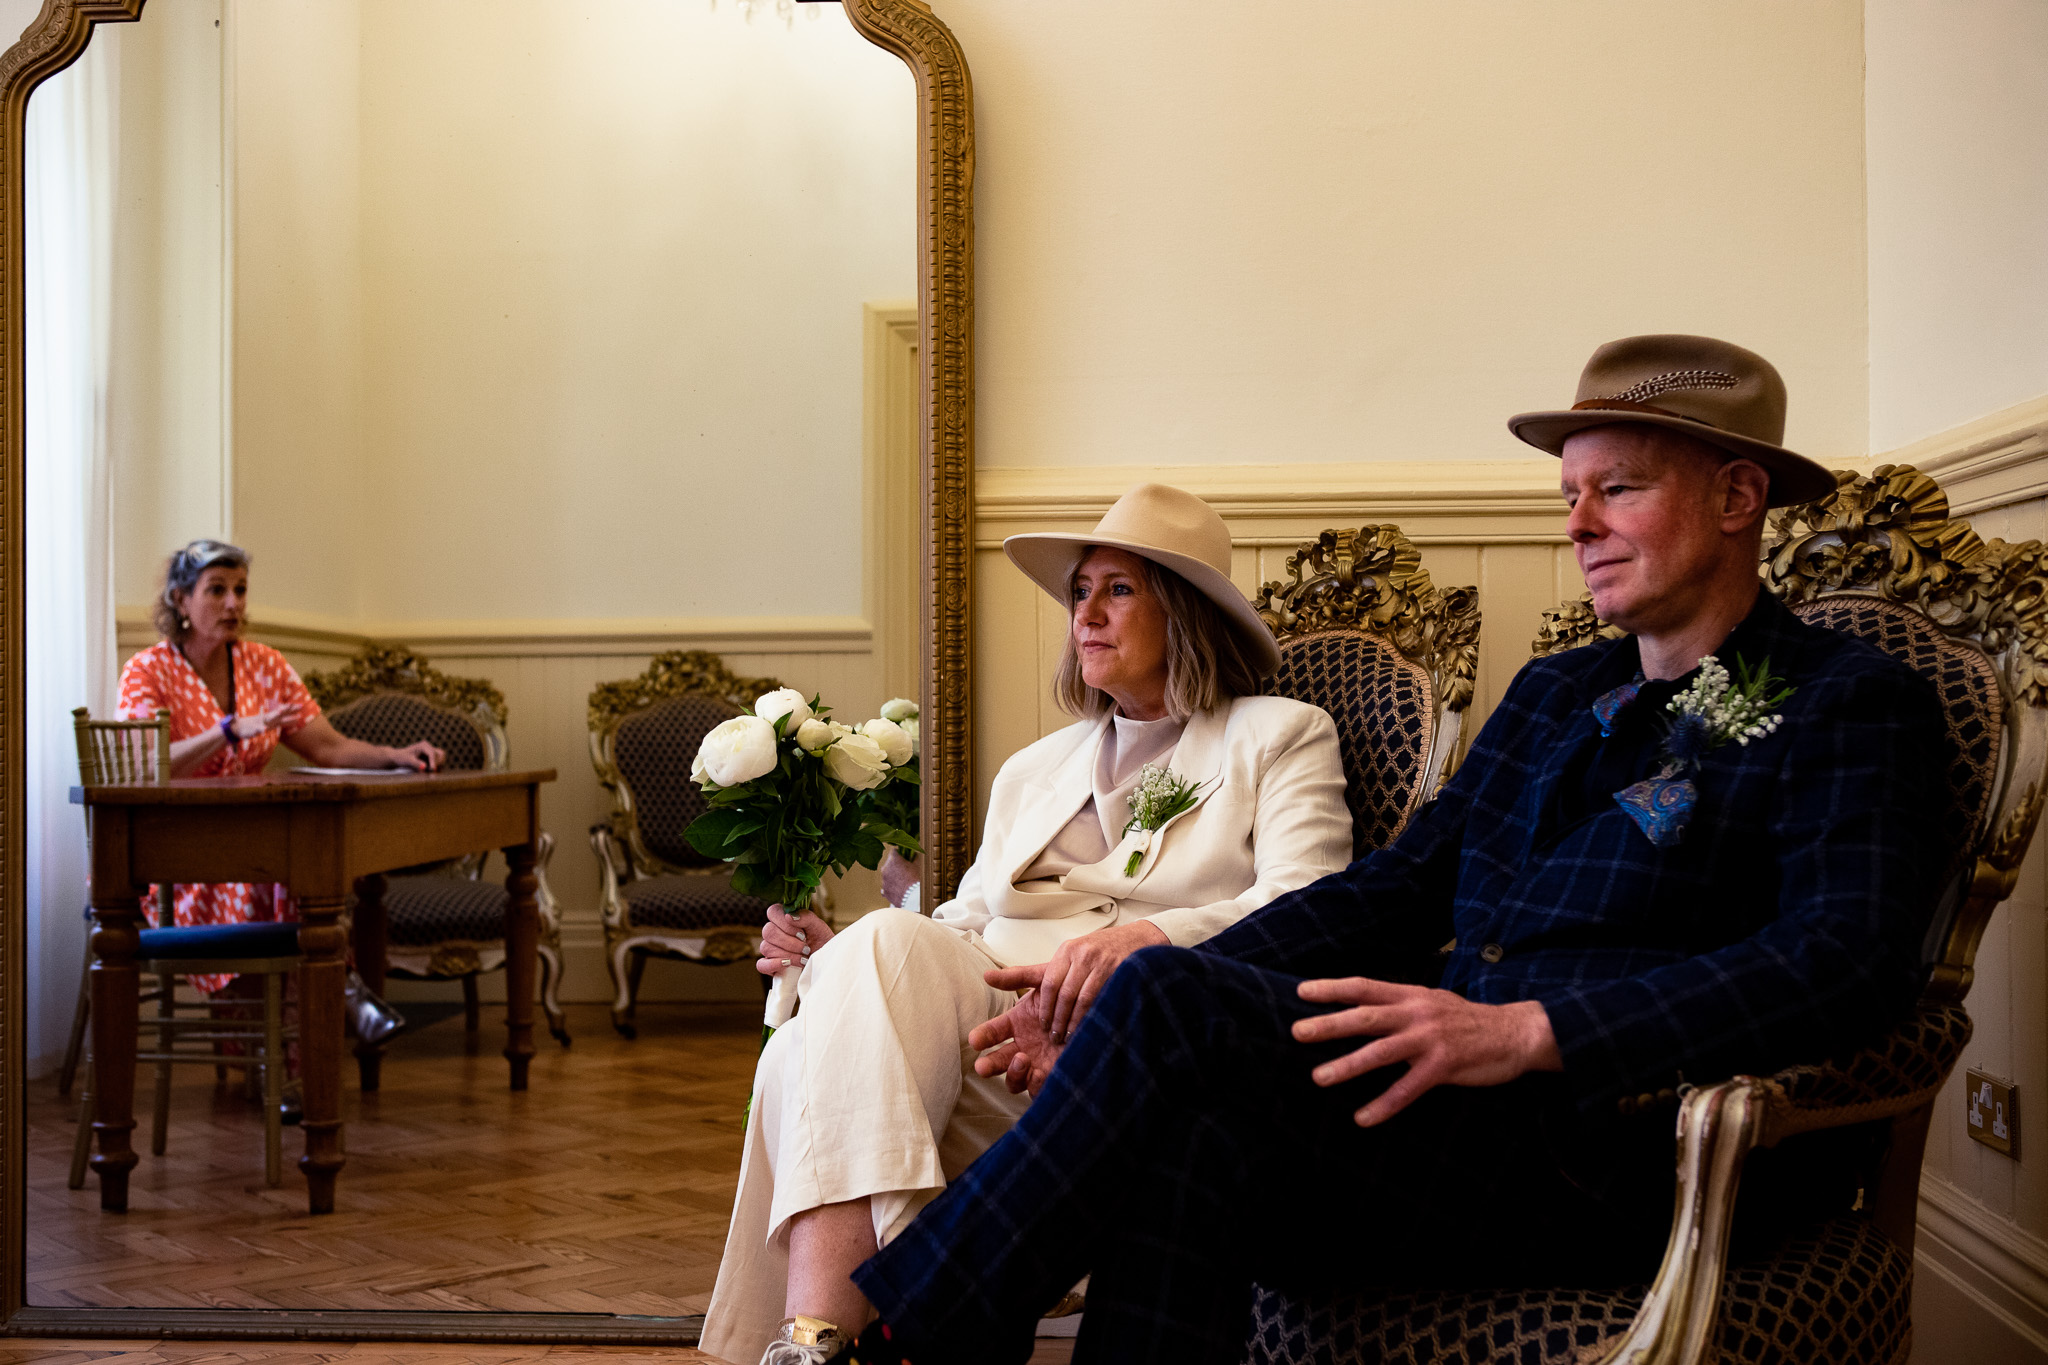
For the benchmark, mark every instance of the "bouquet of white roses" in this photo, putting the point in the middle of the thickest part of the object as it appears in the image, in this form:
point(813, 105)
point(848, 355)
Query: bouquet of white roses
point(793, 794)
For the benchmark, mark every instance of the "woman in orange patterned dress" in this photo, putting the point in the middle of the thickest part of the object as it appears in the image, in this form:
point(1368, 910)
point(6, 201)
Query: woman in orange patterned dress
point(232, 701)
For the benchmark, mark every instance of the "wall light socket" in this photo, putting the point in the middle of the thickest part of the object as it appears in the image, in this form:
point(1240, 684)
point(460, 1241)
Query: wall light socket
point(1991, 1112)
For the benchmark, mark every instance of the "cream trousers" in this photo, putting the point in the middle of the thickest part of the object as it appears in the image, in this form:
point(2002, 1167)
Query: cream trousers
point(869, 1091)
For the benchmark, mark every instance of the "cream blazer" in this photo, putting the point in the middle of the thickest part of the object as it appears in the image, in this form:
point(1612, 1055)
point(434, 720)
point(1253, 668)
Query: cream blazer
point(1269, 816)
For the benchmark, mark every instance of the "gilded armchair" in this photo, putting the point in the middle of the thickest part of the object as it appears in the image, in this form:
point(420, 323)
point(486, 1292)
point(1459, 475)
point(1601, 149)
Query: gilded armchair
point(658, 895)
point(1365, 635)
point(1882, 559)
point(443, 922)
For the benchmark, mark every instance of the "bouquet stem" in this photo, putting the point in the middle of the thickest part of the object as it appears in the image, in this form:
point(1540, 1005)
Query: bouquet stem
point(781, 1001)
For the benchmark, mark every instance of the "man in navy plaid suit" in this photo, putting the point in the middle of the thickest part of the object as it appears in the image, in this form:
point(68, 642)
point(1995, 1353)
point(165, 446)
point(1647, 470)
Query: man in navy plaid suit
point(1638, 902)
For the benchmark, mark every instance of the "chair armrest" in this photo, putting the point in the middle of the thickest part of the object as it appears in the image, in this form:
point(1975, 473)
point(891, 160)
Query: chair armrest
point(1717, 1127)
point(605, 844)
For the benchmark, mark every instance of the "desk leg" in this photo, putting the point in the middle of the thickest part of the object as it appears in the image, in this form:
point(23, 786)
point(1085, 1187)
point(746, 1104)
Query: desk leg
point(116, 988)
point(367, 938)
point(321, 942)
point(522, 958)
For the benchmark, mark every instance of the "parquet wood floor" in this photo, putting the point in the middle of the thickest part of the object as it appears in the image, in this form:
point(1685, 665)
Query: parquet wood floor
point(604, 1188)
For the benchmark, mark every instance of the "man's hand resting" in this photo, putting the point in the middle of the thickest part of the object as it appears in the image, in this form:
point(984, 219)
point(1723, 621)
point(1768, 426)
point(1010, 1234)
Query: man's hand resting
point(1444, 1038)
point(1028, 1037)
point(1066, 986)
point(1024, 1053)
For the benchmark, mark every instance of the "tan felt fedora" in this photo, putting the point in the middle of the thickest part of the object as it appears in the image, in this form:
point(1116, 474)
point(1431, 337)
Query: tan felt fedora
point(1167, 526)
point(1712, 391)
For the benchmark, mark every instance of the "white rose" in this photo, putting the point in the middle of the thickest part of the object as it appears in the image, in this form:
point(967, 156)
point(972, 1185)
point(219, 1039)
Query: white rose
point(909, 727)
point(814, 734)
point(697, 773)
point(858, 762)
point(740, 750)
point(899, 710)
point(895, 744)
point(773, 706)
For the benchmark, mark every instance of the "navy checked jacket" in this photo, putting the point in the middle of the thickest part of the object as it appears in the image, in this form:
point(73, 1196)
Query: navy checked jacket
point(1786, 927)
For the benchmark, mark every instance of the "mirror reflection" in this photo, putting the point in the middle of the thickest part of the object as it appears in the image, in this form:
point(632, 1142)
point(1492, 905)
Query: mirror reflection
point(535, 383)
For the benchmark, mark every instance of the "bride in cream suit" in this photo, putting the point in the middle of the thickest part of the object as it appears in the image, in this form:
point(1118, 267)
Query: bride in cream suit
point(868, 1101)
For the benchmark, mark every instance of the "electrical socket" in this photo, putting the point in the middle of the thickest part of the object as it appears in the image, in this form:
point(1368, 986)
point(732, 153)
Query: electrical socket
point(1991, 1112)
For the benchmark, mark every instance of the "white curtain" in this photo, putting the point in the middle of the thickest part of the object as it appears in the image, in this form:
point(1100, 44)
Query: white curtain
point(71, 151)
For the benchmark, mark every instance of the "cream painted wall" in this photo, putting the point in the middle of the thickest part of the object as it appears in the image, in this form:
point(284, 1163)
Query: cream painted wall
point(1370, 231)
point(1957, 103)
point(301, 492)
point(166, 399)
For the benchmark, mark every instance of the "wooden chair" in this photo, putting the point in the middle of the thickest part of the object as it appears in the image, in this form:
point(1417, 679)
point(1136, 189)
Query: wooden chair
point(117, 752)
point(1879, 558)
point(657, 894)
point(442, 922)
point(1366, 636)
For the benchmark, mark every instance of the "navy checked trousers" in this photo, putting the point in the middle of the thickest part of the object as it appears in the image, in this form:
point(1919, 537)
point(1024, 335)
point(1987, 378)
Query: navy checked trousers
point(1180, 1152)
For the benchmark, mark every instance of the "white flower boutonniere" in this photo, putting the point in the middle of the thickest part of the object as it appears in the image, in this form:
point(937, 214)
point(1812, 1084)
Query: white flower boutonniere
point(1712, 712)
point(1161, 795)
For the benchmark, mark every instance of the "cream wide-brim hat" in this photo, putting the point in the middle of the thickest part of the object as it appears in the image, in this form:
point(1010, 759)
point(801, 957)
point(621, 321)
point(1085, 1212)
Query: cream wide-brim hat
point(1168, 526)
point(1711, 390)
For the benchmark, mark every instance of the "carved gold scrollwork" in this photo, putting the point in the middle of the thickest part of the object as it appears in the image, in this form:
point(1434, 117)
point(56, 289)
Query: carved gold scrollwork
point(1889, 532)
point(676, 673)
point(1372, 579)
point(1571, 624)
point(394, 668)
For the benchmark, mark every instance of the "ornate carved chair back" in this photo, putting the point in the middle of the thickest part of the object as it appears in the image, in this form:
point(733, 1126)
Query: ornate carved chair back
point(1365, 635)
point(1881, 558)
point(389, 695)
point(644, 736)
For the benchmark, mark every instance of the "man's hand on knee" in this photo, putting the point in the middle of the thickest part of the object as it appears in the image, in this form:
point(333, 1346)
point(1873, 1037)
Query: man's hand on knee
point(1444, 1038)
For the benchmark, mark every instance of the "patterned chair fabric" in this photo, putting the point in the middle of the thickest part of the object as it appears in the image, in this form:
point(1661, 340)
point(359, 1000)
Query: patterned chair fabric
point(689, 903)
point(658, 895)
point(425, 911)
point(1880, 558)
point(1837, 1294)
point(1367, 637)
point(396, 719)
point(1386, 715)
point(654, 750)
point(1969, 689)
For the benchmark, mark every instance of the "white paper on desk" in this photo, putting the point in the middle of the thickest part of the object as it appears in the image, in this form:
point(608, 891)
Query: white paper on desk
point(359, 772)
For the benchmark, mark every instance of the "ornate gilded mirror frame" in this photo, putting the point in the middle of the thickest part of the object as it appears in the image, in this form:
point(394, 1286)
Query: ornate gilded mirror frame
point(945, 159)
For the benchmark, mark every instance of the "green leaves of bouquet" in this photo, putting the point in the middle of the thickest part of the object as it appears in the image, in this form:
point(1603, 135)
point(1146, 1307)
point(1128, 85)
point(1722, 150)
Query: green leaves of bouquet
point(794, 794)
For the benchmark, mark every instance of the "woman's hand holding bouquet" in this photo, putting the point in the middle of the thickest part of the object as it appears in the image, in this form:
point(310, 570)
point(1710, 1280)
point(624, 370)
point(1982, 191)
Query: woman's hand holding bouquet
point(794, 794)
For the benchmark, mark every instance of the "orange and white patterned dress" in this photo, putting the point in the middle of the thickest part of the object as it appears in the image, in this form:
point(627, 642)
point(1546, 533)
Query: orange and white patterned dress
point(160, 679)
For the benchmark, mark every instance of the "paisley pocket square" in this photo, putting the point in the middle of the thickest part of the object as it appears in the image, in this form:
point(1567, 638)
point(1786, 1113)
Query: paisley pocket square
point(1661, 807)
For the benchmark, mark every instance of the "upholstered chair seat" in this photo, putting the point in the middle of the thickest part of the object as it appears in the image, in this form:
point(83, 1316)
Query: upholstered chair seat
point(658, 895)
point(1881, 559)
point(1843, 1281)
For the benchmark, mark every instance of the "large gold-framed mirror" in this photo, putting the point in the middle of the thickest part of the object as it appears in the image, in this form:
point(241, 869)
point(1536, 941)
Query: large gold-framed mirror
point(927, 613)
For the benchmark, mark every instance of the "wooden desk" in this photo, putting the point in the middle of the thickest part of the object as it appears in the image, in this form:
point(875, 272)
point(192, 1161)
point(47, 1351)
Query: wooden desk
point(316, 835)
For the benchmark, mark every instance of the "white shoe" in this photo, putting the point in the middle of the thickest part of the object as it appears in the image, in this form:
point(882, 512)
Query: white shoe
point(802, 1341)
